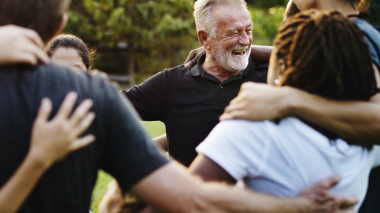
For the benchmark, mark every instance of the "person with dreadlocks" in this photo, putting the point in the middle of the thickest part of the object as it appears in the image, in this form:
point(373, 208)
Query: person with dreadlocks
point(357, 121)
point(311, 54)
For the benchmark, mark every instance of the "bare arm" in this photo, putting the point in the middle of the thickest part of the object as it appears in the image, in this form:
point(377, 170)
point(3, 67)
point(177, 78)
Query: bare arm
point(51, 141)
point(354, 120)
point(260, 54)
point(20, 45)
point(162, 141)
point(172, 189)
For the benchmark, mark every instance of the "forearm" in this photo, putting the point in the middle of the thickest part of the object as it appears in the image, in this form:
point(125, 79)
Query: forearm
point(18, 187)
point(162, 142)
point(184, 193)
point(261, 54)
point(356, 121)
point(222, 199)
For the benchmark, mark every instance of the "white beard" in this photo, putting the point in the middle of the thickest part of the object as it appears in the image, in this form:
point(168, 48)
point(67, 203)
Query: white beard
point(228, 61)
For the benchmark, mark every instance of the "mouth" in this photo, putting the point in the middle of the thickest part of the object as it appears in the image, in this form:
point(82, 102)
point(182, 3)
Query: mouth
point(238, 52)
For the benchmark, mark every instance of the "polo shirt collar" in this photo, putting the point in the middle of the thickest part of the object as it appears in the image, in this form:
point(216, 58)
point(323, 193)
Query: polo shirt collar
point(198, 70)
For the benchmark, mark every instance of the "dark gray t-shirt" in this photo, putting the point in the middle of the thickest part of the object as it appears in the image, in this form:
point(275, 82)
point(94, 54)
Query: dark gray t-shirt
point(122, 147)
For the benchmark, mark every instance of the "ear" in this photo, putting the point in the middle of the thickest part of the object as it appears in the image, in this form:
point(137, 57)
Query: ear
point(61, 25)
point(203, 39)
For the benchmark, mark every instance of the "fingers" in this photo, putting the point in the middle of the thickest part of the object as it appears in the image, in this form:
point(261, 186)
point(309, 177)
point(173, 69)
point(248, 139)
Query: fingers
point(346, 202)
point(44, 110)
point(32, 36)
point(32, 54)
point(82, 142)
point(84, 124)
point(67, 105)
point(192, 54)
point(330, 182)
point(345, 211)
point(81, 111)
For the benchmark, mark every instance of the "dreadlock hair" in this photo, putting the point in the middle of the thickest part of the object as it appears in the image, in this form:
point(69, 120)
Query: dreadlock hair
point(326, 54)
point(362, 5)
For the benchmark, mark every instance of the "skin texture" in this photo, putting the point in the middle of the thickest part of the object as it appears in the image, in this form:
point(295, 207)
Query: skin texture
point(21, 45)
point(231, 31)
point(183, 193)
point(69, 56)
point(51, 141)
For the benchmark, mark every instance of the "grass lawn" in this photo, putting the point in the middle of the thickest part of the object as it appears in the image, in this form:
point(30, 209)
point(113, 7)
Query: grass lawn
point(155, 129)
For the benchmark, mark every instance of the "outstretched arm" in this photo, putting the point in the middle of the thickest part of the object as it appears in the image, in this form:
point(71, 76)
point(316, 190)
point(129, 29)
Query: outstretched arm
point(50, 142)
point(356, 121)
point(260, 54)
point(172, 189)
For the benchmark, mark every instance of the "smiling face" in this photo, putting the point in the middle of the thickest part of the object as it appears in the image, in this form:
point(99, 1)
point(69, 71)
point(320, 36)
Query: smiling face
point(70, 57)
point(232, 46)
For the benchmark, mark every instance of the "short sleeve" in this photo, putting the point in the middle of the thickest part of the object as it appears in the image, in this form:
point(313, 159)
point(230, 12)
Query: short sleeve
point(376, 153)
point(129, 155)
point(149, 97)
point(239, 147)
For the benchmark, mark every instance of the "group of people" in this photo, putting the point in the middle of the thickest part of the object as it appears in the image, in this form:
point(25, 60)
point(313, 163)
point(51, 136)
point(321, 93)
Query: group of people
point(305, 141)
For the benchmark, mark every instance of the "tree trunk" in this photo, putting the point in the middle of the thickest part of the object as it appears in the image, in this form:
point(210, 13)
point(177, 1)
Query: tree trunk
point(131, 63)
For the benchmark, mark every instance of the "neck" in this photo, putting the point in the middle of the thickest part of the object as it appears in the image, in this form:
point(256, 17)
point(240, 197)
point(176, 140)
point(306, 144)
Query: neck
point(343, 6)
point(213, 68)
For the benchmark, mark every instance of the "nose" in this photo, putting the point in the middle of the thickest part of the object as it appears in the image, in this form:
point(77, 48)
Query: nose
point(245, 39)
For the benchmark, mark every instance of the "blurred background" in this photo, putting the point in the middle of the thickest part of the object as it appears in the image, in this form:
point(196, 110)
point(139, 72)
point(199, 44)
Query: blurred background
point(135, 39)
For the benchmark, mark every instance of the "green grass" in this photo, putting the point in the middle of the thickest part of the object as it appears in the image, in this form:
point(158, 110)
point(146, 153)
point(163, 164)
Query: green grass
point(155, 129)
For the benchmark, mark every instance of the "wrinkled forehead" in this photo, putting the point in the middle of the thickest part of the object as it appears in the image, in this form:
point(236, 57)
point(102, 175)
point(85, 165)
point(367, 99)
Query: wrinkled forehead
point(232, 17)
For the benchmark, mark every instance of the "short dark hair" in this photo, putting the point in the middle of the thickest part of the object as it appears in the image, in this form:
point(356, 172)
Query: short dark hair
point(43, 16)
point(71, 41)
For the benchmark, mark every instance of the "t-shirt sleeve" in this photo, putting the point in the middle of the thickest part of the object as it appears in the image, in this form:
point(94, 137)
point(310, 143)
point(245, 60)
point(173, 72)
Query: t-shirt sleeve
point(239, 147)
point(376, 150)
point(129, 153)
point(148, 98)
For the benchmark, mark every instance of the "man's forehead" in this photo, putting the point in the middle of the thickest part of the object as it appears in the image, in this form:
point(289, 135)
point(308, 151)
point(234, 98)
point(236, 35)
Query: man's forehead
point(232, 16)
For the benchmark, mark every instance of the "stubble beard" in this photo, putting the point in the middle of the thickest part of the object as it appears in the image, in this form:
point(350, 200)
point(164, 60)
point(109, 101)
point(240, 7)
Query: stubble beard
point(230, 63)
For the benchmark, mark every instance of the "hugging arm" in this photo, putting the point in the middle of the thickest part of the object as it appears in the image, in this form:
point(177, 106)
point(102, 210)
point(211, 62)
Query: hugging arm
point(21, 45)
point(50, 142)
point(357, 121)
point(184, 193)
point(260, 54)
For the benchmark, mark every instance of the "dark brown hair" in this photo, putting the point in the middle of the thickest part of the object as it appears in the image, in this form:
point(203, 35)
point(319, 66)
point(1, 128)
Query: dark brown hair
point(44, 16)
point(71, 41)
point(326, 54)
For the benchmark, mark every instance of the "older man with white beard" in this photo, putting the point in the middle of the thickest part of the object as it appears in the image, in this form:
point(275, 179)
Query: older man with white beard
point(190, 101)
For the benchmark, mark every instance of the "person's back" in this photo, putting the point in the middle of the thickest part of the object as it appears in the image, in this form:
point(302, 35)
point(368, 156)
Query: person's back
point(68, 185)
point(282, 159)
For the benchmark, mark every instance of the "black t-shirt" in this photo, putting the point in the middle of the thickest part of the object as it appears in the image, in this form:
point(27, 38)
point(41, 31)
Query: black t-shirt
point(189, 102)
point(122, 147)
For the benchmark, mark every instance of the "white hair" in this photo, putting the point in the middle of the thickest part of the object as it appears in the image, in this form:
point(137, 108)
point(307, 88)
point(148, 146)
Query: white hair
point(203, 13)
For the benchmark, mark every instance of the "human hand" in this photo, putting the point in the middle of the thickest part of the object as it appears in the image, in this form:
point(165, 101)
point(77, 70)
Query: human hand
point(53, 140)
point(258, 102)
point(321, 200)
point(193, 57)
point(21, 45)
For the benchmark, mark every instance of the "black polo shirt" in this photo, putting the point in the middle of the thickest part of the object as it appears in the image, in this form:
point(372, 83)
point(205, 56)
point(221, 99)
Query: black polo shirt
point(189, 103)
